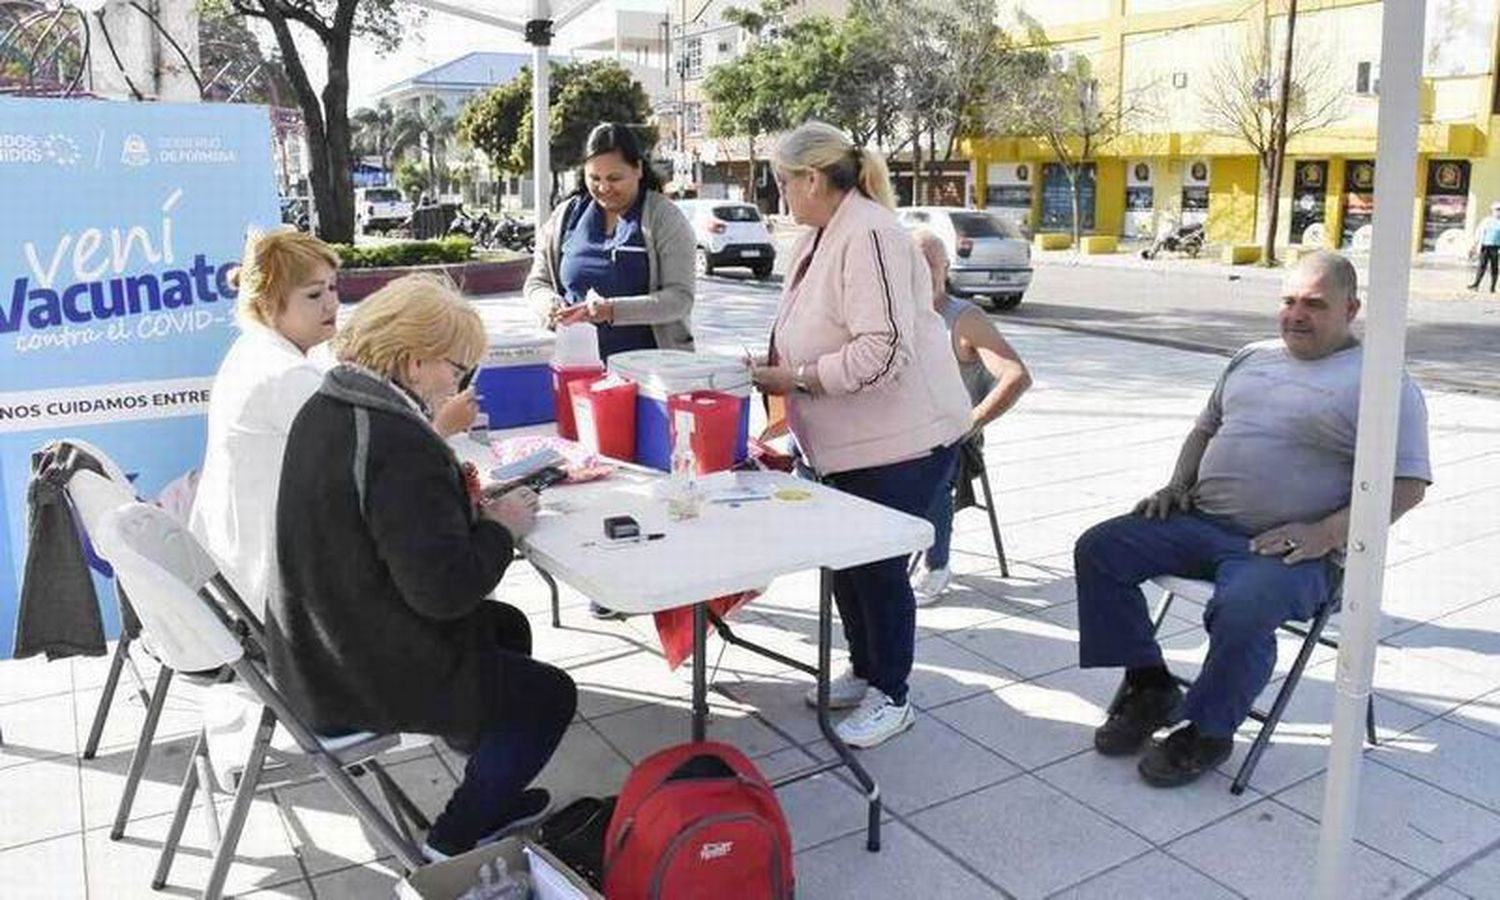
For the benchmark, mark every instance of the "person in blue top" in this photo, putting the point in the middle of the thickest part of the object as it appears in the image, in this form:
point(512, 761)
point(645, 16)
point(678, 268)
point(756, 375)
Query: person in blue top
point(1487, 247)
point(618, 253)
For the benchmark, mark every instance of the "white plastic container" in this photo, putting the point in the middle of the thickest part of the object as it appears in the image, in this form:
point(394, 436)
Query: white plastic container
point(662, 373)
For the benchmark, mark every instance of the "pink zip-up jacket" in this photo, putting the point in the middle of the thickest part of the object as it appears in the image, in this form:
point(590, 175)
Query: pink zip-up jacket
point(856, 305)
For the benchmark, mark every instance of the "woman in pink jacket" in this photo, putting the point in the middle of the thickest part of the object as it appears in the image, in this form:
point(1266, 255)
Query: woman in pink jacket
point(874, 397)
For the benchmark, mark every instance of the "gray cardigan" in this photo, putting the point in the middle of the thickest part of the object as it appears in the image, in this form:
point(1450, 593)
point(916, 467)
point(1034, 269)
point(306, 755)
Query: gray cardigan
point(670, 254)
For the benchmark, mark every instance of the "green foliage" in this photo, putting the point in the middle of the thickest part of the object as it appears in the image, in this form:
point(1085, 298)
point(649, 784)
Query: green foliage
point(412, 178)
point(581, 95)
point(406, 253)
point(492, 121)
point(594, 92)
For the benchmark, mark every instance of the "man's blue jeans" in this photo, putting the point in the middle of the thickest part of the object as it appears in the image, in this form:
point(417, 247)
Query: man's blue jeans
point(875, 600)
point(1253, 595)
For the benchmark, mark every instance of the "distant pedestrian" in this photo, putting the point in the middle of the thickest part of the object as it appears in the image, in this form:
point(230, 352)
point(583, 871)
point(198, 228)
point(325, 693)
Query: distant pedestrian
point(1487, 247)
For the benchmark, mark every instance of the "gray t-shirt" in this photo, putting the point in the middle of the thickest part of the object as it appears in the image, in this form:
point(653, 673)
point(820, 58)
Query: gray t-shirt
point(1283, 429)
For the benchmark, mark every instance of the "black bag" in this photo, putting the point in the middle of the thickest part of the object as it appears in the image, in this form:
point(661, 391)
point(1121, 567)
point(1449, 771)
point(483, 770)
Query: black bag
point(575, 835)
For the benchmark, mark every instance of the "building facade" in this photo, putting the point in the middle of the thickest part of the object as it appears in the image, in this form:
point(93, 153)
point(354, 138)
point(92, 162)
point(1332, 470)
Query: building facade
point(1175, 162)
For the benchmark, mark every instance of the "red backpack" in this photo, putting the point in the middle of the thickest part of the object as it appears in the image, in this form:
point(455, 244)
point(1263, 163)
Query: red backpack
point(697, 822)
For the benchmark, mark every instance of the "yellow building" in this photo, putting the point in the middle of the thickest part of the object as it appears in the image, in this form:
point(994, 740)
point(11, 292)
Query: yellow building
point(1175, 163)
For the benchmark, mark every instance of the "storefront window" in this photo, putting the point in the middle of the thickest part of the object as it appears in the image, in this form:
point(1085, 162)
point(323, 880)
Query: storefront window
point(1057, 198)
point(1309, 197)
point(1446, 207)
point(1359, 203)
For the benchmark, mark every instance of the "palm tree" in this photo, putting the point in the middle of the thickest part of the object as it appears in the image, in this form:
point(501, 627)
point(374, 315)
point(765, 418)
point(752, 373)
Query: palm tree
point(377, 133)
point(434, 128)
point(388, 132)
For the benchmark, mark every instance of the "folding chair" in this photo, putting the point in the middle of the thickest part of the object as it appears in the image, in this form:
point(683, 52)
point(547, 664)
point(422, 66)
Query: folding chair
point(178, 596)
point(1312, 635)
point(92, 496)
point(970, 467)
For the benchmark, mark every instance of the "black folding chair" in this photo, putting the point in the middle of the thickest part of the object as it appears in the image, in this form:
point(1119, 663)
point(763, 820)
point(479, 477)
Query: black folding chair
point(970, 467)
point(1312, 635)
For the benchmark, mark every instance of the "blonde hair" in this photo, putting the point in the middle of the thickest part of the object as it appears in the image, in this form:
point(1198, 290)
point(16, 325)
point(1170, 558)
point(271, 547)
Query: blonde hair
point(821, 147)
point(415, 317)
point(275, 263)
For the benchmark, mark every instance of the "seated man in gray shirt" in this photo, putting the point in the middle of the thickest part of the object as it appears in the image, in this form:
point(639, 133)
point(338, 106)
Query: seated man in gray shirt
point(1259, 504)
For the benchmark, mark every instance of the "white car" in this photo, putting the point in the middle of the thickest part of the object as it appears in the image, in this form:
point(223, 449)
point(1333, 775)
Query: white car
point(730, 233)
point(380, 208)
point(988, 257)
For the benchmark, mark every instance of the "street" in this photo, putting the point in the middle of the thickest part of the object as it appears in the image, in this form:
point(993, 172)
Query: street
point(1453, 336)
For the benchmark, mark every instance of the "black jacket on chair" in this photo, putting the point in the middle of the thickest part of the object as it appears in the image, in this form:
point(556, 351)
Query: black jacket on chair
point(383, 621)
point(59, 612)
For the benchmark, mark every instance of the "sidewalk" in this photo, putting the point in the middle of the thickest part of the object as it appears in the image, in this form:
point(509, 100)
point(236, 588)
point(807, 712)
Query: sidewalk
point(1433, 277)
point(996, 791)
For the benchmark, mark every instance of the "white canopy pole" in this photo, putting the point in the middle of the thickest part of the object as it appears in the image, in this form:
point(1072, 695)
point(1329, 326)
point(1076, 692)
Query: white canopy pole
point(1375, 447)
point(539, 35)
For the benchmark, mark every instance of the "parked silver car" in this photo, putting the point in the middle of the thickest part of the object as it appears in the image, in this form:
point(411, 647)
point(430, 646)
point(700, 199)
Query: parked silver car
point(988, 257)
point(730, 233)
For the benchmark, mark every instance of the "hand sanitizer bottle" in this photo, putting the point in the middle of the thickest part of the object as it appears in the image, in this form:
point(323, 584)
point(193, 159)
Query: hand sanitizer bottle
point(685, 499)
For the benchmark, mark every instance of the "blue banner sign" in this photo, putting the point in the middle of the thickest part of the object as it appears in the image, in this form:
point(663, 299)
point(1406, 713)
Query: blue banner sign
point(124, 223)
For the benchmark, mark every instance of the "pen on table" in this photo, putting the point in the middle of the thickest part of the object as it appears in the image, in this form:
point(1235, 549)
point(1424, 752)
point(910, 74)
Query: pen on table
point(625, 542)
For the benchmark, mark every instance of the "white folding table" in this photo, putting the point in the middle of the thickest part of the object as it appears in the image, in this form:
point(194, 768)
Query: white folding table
point(727, 549)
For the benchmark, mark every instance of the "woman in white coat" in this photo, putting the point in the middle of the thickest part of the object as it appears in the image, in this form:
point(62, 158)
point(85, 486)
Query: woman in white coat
point(288, 304)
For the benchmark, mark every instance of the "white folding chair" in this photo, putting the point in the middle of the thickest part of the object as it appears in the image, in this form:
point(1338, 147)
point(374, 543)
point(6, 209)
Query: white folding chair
point(177, 592)
point(92, 496)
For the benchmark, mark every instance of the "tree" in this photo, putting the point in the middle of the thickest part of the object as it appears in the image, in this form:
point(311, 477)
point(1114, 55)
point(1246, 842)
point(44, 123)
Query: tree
point(413, 180)
point(743, 100)
point(491, 122)
point(382, 131)
point(1063, 108)
point(594, 92)
point(234, 66)
point(582, 95)
point(1241, 100)
point(433, 127)
point(334, 23)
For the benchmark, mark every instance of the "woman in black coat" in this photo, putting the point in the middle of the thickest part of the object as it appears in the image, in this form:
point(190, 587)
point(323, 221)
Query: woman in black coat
point(384, 621)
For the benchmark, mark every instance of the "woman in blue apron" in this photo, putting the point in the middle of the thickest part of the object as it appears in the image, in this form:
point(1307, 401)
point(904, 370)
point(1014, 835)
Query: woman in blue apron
point(618, 253)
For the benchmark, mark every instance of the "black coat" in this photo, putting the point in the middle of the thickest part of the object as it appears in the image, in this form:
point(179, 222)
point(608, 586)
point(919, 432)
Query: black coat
point(383, 622)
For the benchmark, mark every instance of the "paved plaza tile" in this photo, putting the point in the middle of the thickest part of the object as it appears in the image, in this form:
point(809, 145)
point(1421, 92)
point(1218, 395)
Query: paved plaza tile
point(996, 792)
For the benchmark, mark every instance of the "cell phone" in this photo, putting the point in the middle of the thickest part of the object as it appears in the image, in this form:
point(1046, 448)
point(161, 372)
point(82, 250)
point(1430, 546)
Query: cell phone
point(469, 378)
point(538, 481)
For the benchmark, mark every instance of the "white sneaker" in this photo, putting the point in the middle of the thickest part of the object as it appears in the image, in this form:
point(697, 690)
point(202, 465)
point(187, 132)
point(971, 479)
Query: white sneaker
point(845, 691)
point(876, 721)
point(930, 586)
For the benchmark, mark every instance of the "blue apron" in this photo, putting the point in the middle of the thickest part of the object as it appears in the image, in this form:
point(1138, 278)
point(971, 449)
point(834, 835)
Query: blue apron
point(614, 265)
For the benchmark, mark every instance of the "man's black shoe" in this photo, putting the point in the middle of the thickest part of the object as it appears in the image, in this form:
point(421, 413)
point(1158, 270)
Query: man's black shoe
point(1182, 757)
point(1141, 711)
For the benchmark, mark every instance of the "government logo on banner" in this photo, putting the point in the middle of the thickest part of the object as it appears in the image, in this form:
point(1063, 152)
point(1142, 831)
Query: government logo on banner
point(124, 224)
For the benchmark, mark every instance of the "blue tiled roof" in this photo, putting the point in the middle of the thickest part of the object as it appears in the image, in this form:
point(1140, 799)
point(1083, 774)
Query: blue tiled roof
point(480, 68)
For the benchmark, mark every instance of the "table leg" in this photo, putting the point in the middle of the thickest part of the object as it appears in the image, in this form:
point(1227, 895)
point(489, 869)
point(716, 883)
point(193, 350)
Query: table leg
point(825, 648)
point(700, 671)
